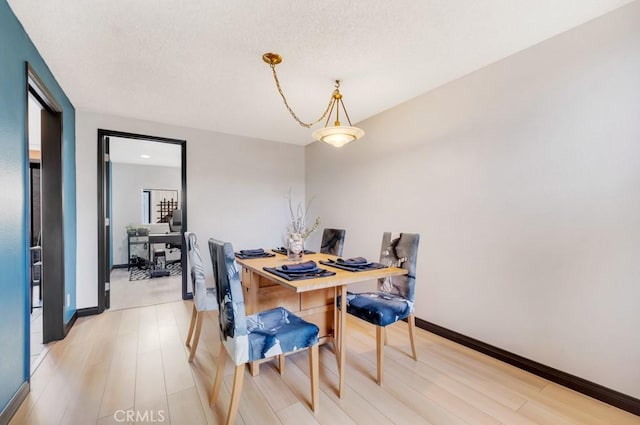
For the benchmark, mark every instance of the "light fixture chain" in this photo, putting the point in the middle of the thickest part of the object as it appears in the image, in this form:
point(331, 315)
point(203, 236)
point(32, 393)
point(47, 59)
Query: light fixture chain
point(345, 112)
point(293, 114)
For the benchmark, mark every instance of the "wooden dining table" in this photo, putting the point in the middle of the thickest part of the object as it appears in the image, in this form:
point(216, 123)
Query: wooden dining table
point(312, 299)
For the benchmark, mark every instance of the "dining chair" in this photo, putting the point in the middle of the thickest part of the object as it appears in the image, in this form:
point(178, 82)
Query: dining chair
point(259, 336)
point(394, 300)
point(204, 299)
point(175, 222)
point(332, 241)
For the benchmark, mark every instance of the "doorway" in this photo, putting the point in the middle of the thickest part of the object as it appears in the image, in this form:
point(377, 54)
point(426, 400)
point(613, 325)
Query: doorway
point(142, 217)
point(46, 228)
point(37, 347)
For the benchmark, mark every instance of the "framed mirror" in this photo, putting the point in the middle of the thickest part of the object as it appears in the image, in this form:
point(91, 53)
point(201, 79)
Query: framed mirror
point(158, 205)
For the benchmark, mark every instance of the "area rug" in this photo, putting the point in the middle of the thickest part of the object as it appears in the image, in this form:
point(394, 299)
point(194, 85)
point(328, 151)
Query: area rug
point(136, 273)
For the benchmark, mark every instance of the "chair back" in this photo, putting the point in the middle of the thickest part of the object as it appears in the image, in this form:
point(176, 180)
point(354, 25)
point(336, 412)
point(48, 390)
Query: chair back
point(175, 222)
point(196, 271)
point(400, 251)
point(231, 312)
point(332, 241)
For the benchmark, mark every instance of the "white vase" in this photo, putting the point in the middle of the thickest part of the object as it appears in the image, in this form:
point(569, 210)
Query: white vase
point(295, 247)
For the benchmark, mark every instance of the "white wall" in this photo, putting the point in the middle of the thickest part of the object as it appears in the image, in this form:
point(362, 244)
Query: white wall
point(523, 180)
point(236, 188)
point(127, 183)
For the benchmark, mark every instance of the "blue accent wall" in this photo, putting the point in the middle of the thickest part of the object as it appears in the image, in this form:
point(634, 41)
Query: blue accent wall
point(15, 50)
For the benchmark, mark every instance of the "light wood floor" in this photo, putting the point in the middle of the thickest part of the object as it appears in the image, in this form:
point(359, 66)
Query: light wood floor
point(135, 360)
point(145, 292)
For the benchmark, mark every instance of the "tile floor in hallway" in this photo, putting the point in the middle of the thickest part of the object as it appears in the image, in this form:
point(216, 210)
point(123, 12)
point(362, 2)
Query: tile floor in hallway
point(37, 348)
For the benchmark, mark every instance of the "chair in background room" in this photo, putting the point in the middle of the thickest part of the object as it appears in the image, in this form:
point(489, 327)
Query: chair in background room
point(36, 274)
point(332, 241)
point(249, 338)
point(395, 297)
point(175, 226)
point(175, 222)
point(204, 299)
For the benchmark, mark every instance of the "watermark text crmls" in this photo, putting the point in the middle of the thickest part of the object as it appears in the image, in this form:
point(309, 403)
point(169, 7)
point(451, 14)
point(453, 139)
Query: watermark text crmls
point(148, 416)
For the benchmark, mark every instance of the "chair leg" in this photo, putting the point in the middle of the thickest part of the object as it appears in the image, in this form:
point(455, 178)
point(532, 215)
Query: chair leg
point(314, 370)
point(254, 368)
point(411, 320)
point(196, 335)
point(380, 351)
point(194, 313)
point(238, 377)
point(222, 359)
point(386, 339)
point(281, 362)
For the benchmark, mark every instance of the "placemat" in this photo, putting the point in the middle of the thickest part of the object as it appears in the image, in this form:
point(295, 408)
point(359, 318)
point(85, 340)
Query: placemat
point(353, 268)
point(300, 276)
point(249, 257)
point(283, 251)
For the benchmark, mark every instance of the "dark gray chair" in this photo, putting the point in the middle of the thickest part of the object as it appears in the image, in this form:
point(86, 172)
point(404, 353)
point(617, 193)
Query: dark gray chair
point(394, 300)
point(333, 241)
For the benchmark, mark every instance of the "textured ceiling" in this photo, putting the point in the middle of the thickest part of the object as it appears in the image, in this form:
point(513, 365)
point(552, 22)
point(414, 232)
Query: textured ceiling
point(197, 63)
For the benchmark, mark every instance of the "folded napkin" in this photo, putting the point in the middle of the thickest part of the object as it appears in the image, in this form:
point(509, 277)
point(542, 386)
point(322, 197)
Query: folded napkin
point(358, 261)
point(252, 251)
point(299, 267)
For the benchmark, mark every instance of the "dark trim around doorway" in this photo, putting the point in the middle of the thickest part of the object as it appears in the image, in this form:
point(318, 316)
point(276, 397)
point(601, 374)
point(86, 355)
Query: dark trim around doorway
point(52, 226)
point(102, 255)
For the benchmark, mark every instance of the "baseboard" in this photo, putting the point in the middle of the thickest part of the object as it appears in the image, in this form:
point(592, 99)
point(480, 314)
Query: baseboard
point(14, 403)
point(597, 391)
point(89, 311)
point(120, 266)
point(69, 325)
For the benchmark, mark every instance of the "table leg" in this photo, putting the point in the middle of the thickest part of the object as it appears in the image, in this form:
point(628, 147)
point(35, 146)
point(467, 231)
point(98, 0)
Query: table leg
point(342, 334)
point(251, 306)
point(336, 324)
point(251, 299)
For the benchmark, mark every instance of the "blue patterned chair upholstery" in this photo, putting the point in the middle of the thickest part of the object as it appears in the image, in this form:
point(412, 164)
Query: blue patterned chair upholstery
point(332, 241)
point(395, 297)
point(258, 336)
point(204, 299)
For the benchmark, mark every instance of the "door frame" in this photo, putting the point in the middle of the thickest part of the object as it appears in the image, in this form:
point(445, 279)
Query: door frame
point(52, 220)
point(104, 270)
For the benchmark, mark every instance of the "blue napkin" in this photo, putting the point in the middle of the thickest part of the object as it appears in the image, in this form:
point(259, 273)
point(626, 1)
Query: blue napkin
point(358, 261)
point(299, 267)
point(252, 251)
